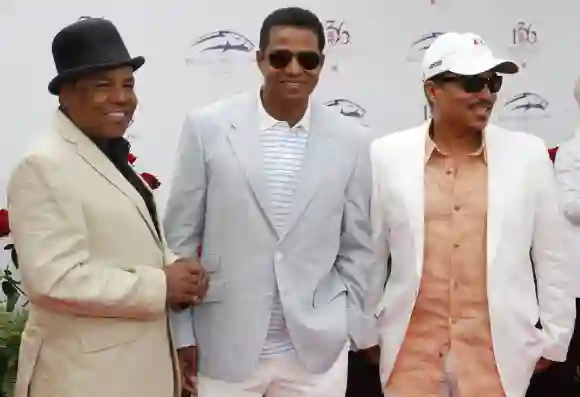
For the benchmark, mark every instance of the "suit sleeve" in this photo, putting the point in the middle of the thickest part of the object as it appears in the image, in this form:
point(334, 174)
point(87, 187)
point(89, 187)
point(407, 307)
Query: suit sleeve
point(57, 270)
point(185, 214)
point(551, 260)
point(379, 271)
point(356, 256)
point(567, 167)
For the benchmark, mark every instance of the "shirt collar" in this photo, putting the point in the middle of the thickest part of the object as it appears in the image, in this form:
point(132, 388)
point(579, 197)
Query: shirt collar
point(431, 146)
point(267, 121)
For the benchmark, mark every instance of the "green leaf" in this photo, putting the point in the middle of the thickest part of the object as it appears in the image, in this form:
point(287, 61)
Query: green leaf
point(14, 257)
point(11, 301)
point(8, 288)
point(4, 357)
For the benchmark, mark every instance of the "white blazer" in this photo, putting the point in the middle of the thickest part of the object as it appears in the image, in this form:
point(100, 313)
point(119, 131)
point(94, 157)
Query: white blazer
point(524, 224)
point(567, 166)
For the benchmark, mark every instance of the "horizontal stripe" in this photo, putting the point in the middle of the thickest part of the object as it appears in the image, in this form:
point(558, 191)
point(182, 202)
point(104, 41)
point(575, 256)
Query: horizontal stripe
point(283, 154)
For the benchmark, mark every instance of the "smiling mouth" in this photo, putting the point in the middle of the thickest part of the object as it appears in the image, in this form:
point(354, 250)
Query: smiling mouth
point(117, 116)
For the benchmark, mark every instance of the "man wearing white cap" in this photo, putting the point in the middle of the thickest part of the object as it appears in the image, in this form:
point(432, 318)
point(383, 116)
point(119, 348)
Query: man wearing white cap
point(464, 208)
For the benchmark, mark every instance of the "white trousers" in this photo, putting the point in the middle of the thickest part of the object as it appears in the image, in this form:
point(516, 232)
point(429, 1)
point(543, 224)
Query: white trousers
point(447, 385)
point(282, 376)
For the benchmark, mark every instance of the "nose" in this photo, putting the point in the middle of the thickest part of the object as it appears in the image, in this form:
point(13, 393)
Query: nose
point(485, 94)
point(119, 95)
point(293, 68)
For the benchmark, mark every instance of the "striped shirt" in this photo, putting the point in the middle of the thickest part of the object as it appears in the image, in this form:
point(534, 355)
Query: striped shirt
point(283, 149)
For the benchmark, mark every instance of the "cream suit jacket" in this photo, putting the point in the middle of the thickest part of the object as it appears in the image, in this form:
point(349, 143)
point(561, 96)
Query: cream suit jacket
point(524, 224)
point(91, 264)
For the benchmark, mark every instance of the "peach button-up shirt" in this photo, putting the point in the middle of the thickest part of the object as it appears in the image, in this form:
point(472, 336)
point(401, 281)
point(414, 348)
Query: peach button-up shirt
point(450, 320)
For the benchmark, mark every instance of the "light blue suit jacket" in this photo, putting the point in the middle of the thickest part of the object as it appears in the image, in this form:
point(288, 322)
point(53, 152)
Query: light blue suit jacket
point(219, 200)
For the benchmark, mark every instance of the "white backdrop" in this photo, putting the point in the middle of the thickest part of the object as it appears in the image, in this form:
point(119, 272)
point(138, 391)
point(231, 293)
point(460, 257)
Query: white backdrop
point(372, 68)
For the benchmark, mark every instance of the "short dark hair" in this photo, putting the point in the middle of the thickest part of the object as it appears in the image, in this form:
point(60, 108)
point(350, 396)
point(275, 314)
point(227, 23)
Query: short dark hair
point(295, 17)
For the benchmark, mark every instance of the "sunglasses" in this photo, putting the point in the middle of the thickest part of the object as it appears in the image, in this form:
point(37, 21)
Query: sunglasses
point(474, 84)
point(308, 60)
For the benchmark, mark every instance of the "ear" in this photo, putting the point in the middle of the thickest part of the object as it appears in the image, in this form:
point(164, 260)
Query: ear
point(65, 95)
point(259, 56)
point(430, 91)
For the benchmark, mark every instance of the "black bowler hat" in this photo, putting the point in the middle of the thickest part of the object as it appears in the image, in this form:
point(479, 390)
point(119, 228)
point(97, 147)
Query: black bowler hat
point(88, 45)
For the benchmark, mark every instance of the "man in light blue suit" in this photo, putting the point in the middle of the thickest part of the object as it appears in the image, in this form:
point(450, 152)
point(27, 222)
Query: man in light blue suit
point(274, 191)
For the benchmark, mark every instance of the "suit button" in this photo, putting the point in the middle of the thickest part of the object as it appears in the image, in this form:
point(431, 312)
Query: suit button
point(278, 257)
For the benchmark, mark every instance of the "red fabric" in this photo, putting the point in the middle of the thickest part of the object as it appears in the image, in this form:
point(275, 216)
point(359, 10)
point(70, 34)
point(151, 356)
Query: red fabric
point(151, 180)
point(4, 223)
point(552, 153)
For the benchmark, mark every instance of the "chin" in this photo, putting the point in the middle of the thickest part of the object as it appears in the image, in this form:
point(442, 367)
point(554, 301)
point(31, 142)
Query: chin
point(112, 133)
point(478, 124)
point(295, 96)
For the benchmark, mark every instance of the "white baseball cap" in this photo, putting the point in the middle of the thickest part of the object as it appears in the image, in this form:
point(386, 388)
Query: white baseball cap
point(464, 54)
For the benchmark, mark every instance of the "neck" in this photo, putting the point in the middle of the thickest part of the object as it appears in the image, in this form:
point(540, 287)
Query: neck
point(290, 111)
point(454, 139)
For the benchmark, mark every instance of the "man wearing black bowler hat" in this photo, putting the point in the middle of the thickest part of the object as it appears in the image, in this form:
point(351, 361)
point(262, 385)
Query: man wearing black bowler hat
point(93, 257)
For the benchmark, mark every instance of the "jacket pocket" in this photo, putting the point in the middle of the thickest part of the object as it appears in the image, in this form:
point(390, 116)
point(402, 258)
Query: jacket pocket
point(216, 291)
point(328, 289)
point(103, 334)
point(211, 263)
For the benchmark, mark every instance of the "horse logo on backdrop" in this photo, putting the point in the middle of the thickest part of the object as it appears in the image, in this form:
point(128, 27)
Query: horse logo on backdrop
point(420, 45)
point(223, 41)
point(336, 32)
point(348, 108)
point(524, 42)
point(525, 105)
point(88, 17)
point(223, 46)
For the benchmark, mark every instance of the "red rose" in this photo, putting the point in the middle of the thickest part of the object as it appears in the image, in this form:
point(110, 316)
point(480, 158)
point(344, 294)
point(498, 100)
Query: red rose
point(151, 180)
point(4, 224)
point(552, 153)
point(131, 158)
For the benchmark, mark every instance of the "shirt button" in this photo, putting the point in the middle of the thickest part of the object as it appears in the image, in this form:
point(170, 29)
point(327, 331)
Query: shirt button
point(278, 257)
point(449, 171)
point(455, 245)
point(456, 207)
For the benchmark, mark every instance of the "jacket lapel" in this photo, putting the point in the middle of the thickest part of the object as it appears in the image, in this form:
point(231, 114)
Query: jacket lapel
point(411, 175)
point(244, 138)
point(312, 168)
point(90, 153)
point(498, 159)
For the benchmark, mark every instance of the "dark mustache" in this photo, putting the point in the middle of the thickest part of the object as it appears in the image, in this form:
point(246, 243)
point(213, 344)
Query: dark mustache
point(482, 102)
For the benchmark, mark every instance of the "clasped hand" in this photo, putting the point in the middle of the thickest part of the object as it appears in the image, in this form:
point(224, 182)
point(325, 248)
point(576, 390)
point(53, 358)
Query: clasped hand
point(187, 283)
